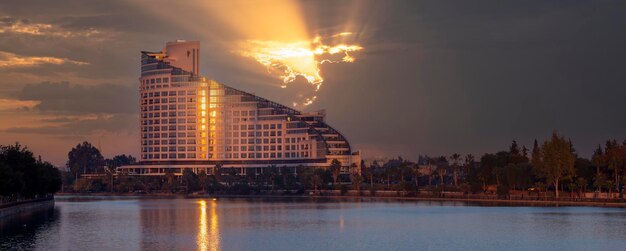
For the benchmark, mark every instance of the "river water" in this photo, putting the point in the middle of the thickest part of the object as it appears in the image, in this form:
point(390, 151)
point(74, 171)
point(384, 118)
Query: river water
point(106, 223)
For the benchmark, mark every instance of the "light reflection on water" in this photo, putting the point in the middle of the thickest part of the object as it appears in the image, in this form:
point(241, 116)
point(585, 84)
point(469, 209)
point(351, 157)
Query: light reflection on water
point(208, 233)
point(301, 224)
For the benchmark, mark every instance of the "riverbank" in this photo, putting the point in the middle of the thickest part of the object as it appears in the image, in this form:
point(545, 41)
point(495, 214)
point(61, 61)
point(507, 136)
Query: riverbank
point(478, 201)
point(28, 206)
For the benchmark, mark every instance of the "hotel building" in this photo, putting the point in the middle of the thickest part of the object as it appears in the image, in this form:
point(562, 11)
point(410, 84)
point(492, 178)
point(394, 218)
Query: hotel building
point(189, 121)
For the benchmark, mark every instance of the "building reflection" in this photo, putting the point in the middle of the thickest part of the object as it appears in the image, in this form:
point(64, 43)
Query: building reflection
point(208, 232)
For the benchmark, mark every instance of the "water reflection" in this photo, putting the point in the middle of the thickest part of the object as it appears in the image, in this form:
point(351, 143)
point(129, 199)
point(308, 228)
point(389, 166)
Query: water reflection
point(208, 232)
point(19, 232)
point(279, 224)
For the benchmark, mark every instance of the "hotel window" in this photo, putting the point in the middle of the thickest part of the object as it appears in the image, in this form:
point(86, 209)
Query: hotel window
point(152, 81)
point(243, 155)
point(158, 80)
point(279, 126)
point(165, 80)
point(251, 113)
point(280, 155)
point(265, 155)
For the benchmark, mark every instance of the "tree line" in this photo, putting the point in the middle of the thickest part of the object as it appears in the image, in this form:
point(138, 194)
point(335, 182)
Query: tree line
point(552, 167)
point(23, 177)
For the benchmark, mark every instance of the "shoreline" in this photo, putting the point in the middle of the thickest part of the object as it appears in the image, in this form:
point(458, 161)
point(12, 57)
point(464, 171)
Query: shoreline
point(481, 202)
point(25, 207)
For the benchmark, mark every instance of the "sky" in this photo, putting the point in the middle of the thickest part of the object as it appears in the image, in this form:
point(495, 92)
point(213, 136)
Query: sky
point(432, 77)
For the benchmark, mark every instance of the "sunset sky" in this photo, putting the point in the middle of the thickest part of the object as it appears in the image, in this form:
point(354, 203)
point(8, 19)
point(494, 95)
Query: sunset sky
point(455, 76)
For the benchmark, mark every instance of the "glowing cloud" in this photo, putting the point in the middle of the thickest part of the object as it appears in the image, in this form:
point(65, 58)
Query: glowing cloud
point(13, 104)
point(11, 25)
point(8, 59)
point(303, 58)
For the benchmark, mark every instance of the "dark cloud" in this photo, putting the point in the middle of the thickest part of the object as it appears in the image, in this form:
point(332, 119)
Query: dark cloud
point(65, 98)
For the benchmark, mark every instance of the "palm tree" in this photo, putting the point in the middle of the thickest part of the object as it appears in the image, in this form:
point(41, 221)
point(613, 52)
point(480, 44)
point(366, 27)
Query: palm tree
point(455, 157)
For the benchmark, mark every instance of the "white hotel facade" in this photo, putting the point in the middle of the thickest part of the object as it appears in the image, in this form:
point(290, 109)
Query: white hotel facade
point(189, 121)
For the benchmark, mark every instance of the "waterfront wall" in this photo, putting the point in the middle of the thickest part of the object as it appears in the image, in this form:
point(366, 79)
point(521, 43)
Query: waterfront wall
point(26, 207)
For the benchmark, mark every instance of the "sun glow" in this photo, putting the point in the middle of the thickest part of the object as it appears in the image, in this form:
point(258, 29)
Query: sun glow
point(289, 60)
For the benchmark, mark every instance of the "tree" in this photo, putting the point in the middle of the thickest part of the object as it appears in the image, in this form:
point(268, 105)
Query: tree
point(598, 159)
point(488, 164)
point(190, 180)
point(469, 163)
point(270, 174)
point(431, 161)
point(22, 176)
point(455, 157)
point(335, 169)
point(356, 181)
point(555, 161)
point(615, 157)
point(120, 160)
point(203, 180)
point(416, 174)
point(442, 164)
point(170, 179)
point(84, 158)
